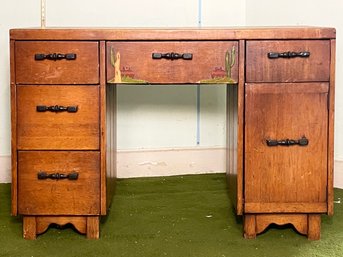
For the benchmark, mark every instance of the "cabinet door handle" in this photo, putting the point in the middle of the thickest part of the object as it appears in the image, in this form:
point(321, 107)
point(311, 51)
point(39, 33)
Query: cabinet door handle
point(56, 108)
point(55, 56)
point(288, 142)
point(71, 176)
point(275, 55)
point(172, 56)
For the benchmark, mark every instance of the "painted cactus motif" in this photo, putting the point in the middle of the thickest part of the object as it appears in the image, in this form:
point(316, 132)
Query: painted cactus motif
point(220, 75)
point(124, 74)
point(230, 58)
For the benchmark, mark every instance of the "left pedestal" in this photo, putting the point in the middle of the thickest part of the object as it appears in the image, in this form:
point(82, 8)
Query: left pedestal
point(58, 141)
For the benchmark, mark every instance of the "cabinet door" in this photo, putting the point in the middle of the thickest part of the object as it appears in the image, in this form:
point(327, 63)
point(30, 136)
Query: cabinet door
point(282, 178)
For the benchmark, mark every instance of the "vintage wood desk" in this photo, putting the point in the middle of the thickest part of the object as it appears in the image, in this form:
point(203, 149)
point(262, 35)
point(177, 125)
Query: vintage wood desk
point(280, 111)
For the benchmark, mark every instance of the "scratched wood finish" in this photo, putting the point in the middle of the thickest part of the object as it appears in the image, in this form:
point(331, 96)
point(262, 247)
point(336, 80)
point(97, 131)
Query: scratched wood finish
point(29, 227)
point(43, 222)
point(279, 174)
point(256, 224)
point(103, 127)
point(83, 70)
point(331, 130)
point(92, 229)
point(259, 68)
point(314, 224)
point(299, 221)
point(49, 130)
point(14, 209)
point(137, 57)
point(36, 225)
point(233, 33)
point(58, 197)
point(261, 196)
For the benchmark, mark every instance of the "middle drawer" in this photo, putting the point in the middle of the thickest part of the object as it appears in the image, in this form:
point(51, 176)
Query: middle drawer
point(172, 62)
point(58, 117)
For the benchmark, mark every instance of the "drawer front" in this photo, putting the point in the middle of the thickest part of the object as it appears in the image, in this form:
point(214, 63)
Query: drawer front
point(279, 68)
point(287, 176)
point(38, 195)
point(83, 69)
point(172, 62)
point(40, 126)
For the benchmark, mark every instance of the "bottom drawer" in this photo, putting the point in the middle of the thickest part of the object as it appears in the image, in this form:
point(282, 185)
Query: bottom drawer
point(42, 190)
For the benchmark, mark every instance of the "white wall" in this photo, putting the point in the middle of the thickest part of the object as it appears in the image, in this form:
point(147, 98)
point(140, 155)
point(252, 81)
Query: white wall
point(178, 127)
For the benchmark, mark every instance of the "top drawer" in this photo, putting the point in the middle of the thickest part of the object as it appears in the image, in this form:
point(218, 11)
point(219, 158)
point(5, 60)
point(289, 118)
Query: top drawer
point(81, 68)
point(262, 68)
point(172, 62)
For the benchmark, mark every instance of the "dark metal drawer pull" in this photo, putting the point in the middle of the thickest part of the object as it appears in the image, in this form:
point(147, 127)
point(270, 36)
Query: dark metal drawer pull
point(288, 55)
point(57, 176)
point(172, 56)
point(55, 56)
point(56, 108)
point(287, 142)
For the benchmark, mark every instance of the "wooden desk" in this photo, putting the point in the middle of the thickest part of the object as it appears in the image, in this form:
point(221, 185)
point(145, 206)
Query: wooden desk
point(280, 91)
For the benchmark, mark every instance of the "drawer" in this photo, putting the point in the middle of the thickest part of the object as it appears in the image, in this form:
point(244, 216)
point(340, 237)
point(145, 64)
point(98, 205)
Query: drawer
point(172, 62)
point(261, 68)
point(81, 67)
point(78, 194)
point(41, 126)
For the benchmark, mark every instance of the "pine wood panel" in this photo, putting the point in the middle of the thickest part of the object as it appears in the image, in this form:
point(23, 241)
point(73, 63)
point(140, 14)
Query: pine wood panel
point(306, 224)
point(331, 130)
point(285, 207)
point(83, 70)
point(49, 130)
point(277, 184)
point(58, 197)
point(14, 200)
point(283, 174)
point(262, 69)
point(136, 57)
point(299, 221)
point(227, 33)
point(103, 122)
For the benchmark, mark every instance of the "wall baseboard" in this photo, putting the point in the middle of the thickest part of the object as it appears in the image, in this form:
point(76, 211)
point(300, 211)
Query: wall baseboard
point(338, 174)
point(5, 169)
point(167, 162)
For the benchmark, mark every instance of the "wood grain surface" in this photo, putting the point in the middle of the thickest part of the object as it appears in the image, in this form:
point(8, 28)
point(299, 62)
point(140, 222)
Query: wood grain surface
point(58, 197)
point(83, 70)
point(316, 67)
point(207, 56)
point(286, 174)
point(63, 130)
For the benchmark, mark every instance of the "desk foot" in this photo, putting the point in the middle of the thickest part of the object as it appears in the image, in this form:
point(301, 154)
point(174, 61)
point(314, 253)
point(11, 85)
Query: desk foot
point(306, 224)
point(36, 225)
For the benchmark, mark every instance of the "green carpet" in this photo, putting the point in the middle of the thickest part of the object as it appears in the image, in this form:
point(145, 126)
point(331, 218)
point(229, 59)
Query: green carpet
point(171, 216)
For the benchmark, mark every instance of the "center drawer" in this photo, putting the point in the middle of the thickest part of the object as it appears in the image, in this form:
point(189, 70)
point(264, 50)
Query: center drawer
point(39, 194)
point(58, 117)
point(172, 62)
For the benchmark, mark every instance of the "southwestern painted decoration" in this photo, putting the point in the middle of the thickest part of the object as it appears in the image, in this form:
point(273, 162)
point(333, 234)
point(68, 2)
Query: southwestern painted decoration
point(190, 62)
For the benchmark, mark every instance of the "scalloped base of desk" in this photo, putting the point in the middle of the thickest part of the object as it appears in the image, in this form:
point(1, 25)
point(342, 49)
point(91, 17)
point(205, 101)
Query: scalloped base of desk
point(36, 225)
point(306, 224)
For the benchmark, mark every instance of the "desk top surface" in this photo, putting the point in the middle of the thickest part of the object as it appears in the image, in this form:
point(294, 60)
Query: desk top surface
point(233, 33)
